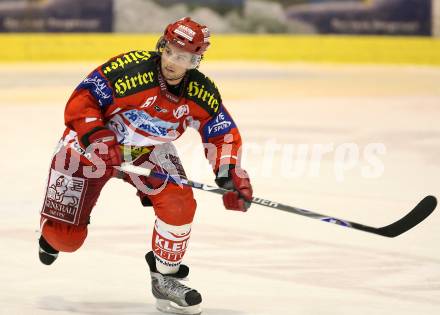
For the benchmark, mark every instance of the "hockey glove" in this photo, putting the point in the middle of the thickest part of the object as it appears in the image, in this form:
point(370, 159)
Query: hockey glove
point(237, 180)
point(103, 145)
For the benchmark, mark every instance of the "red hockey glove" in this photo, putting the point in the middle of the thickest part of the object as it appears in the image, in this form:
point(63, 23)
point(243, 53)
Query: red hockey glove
point(104, 145)
point(237, 180)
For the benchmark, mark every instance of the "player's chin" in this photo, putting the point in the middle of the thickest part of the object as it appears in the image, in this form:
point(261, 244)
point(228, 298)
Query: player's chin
point(172, 76)
point(167, 71)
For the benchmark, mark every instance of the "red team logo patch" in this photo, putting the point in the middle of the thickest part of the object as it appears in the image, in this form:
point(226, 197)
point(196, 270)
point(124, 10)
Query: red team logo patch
point(64, 197)
point(181, 111)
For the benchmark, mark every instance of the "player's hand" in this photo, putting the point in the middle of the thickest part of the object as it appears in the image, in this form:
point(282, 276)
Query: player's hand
point(237, 180)
point(103, 145)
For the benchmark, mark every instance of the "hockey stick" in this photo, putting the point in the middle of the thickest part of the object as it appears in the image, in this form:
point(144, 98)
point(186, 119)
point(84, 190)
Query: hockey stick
point(421, 211)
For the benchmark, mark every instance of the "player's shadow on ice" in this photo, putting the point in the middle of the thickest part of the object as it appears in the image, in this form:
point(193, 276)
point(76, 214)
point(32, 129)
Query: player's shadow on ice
point(56, 303)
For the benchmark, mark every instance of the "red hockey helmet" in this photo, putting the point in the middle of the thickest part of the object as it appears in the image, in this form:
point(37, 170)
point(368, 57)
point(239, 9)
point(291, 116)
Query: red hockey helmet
point(188, 35)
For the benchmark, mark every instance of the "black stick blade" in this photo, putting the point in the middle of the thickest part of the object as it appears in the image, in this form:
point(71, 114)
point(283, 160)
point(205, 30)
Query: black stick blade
point(423, 209)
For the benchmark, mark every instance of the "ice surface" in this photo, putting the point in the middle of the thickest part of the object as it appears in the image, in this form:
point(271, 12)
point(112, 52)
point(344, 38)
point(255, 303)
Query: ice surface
point(264, 261)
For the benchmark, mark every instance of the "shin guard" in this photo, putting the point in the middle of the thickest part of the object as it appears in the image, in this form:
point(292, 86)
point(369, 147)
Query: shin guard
point(169, 245)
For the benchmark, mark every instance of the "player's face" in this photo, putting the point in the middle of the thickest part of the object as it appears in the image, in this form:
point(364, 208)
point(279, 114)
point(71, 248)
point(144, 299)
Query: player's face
point(175, 62)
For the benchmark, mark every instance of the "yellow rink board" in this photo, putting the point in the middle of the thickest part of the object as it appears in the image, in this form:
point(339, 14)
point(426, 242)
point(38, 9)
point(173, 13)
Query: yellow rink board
point(270, 48)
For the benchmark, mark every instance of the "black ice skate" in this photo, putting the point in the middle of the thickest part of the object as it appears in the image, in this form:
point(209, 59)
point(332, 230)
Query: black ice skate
point(172, 296)
point(46, 252)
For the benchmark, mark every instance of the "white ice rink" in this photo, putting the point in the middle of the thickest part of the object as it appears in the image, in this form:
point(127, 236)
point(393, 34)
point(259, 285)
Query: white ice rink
point(260, 262)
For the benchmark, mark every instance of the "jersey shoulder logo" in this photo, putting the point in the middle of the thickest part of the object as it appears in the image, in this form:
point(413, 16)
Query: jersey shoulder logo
point(219, 125)
point(203, 91)
point(126, 60)
point(134, 81)
point(97, 86)
point(132, 72)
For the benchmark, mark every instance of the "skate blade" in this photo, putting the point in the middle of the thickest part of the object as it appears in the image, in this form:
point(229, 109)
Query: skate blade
point(172, 308)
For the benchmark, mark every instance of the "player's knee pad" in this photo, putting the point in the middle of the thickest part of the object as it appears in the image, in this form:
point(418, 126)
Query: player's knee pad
point(169, 245)
point(62, 236)
point(178, 209)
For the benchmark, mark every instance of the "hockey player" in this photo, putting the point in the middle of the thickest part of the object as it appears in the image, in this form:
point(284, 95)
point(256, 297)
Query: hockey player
point(130, 109)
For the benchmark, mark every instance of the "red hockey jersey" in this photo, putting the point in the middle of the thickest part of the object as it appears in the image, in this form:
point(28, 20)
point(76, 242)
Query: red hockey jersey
point(128, 95)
